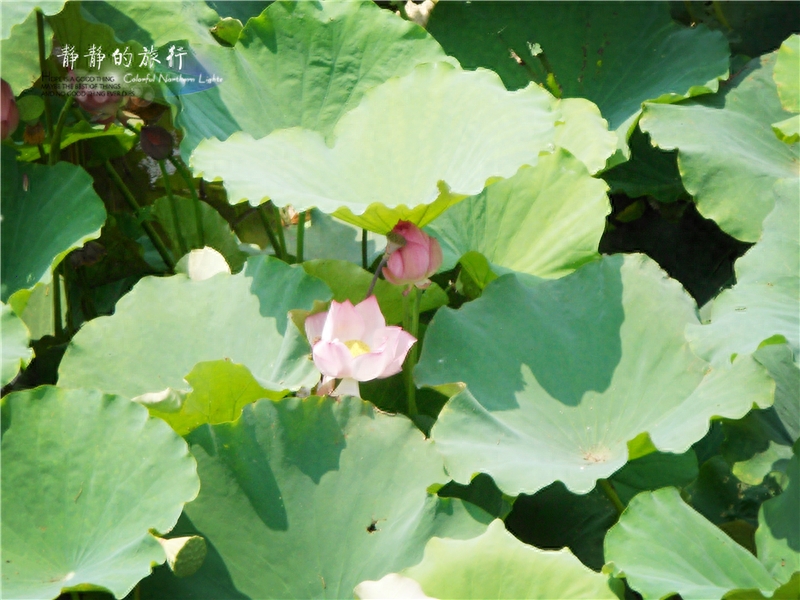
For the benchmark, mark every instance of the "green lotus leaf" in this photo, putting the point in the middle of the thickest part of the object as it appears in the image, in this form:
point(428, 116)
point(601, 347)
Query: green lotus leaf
point(155, 23)
point(728, 154)
point(19, 48)
point(220, 389)
point(86, 476)
point(564, 375)
point(764, 301)
point(584, 132)
point(662, 546)
point(46, 212)
point(350, 282)
point(75, 27)
point(165, 326)
point(16, 351)
point(450, 132)
point(616, 55)
point(300, 64)
point(497, 565)
point(778, 536)
point(304, 498)
point(779, 361)
point(787, 66)
point(546, 221)
point(180, 223)
point(15, 13)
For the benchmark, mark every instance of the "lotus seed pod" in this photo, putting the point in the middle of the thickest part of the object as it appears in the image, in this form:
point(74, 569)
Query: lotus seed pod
point(185, 555)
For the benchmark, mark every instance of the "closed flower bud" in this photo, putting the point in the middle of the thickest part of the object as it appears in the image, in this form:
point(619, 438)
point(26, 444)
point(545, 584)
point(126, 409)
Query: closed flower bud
point(413, 256)
point(8, 111)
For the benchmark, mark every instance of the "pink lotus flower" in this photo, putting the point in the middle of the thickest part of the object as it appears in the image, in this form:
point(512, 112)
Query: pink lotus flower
point(413, 256)
point(9, 113)
point(353, 343)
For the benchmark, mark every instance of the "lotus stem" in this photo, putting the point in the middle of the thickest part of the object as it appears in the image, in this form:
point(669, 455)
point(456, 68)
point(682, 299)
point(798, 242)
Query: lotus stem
point(279, 226)
point(55, 141)
point(411, 324)
point(301, 233)
point(364, 249)
point(276, 246)
point(57, 326)
point(611, 493)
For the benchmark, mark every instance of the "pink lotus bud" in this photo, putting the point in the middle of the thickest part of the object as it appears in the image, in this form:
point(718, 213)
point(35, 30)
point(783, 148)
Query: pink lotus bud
point(413, 256)
point(8, 110)
point(353, 343)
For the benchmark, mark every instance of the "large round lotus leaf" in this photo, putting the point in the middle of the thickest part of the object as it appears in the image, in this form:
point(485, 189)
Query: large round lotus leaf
point(545, 221)
point(300, 64)
point(787, 66)
point(162, 328)
point(615, 54)
point(497, 565)
point(728, 155)
point(764, 301)
point(16, 352)
point(85, 476)
point(46, 212)
point(306, 498)
point(562, 374)
point(778, 534)
point(457, 127)
point(663, 547)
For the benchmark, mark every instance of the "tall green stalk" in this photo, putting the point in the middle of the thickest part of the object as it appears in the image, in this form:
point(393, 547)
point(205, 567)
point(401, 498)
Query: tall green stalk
point(276, 245)
point(301, 234)
point(364, 248)
point(55, 141)
point(57, 325)
point(411, 325)
point(611, 494)
point(279, 226)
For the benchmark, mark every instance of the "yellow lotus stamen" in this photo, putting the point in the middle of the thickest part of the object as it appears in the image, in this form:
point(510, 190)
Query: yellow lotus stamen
point(357, 347)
